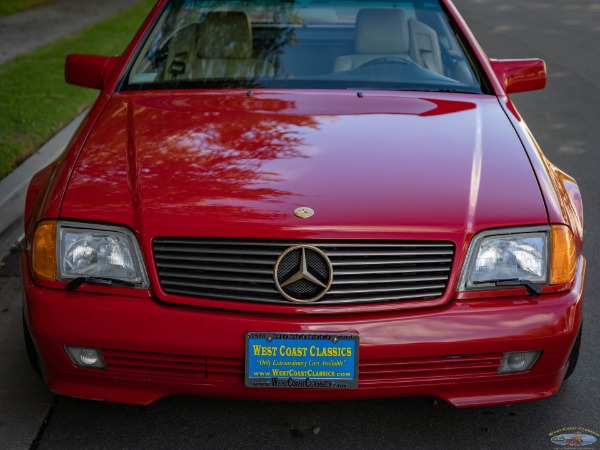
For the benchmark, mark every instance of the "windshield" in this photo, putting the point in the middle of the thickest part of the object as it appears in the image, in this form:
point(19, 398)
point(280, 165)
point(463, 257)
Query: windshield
point(303, 44)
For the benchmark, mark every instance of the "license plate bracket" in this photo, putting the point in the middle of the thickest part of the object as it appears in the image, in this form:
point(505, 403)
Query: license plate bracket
point(302, 360)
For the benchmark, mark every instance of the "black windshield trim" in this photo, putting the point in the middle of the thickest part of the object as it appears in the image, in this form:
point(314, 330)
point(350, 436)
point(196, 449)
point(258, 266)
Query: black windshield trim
point(311, 84)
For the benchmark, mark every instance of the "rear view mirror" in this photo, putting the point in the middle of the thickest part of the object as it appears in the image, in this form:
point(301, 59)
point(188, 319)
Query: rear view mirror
point(520, 75)
point(89, 71)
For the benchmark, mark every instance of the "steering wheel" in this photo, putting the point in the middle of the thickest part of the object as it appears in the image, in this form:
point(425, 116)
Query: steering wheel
point(389, 60)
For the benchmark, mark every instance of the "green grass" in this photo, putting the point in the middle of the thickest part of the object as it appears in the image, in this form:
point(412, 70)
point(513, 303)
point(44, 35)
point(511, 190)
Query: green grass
point(8, 7)
point(35, 100)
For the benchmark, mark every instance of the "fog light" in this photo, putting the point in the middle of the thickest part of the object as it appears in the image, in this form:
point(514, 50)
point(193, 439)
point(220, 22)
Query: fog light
point(514, 362)
point(86, 357)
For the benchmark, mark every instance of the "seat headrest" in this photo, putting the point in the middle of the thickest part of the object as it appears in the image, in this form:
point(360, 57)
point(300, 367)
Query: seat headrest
point(225, 34)
point(381, 31)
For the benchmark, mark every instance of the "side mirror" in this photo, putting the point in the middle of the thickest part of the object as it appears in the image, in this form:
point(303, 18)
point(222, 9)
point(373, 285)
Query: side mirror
point(520, 75)
point(89, 71)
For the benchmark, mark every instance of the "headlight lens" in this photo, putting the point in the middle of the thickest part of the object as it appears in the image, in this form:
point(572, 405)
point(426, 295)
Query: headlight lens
point(504, 256)
point(542, 255)
point(99, 251)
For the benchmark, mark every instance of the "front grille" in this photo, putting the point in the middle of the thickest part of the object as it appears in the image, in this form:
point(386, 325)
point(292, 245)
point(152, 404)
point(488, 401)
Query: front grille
point(363, 271)
point(429, 368)
point(195, 368)
point(157, 365)
point(416, 369)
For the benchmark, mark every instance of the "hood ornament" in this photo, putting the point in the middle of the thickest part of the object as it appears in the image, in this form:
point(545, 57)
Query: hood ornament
point(304, 212)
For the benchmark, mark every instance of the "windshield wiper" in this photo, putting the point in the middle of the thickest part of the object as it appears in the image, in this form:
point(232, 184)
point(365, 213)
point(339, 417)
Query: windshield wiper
point(450, 90)
point(77, 282)
point(532, 288)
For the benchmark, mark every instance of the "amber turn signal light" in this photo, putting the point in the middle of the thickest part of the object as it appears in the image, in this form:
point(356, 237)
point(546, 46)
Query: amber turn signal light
point(44, 251)
point(564, 258)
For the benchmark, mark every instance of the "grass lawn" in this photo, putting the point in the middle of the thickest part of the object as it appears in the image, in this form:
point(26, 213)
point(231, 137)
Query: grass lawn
point(13, 6)
point(36, 101)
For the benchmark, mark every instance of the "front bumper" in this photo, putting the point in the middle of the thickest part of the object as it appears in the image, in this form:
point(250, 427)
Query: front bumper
point(153, 350)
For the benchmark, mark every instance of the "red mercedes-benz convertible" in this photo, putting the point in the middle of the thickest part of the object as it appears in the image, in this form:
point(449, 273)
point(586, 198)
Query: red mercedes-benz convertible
point(309, 200)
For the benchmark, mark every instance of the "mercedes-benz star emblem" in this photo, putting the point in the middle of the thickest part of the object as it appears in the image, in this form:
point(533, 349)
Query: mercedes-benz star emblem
point(304, 212)
point(303, 274)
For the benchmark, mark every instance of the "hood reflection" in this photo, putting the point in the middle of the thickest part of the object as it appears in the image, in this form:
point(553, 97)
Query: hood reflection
point(221, 159)
point(218, 156)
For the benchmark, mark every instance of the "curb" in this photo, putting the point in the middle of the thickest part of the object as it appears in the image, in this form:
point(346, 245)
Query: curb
point(13, 188)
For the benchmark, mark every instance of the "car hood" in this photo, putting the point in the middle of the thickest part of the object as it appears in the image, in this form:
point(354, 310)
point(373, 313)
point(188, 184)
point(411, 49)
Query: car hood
point(237, 164)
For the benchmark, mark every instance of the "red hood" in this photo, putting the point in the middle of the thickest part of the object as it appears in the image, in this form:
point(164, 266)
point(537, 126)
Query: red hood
point(388, 165)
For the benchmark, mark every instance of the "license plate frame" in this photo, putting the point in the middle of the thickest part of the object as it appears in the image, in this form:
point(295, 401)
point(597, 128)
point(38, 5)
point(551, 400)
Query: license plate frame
point(301, 360)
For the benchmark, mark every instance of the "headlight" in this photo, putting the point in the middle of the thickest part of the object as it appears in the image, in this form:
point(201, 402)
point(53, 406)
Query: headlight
point(85, 250)
point(541, 255)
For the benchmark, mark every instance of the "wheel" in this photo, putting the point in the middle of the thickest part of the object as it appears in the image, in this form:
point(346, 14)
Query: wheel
point(32, 355)
point(574, 356)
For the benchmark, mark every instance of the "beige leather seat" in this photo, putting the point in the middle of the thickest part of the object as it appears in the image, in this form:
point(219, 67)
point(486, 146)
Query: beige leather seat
point(218, 47)
point(380, 33)
point(182, 48)
point(224, 48)
point(425, 46)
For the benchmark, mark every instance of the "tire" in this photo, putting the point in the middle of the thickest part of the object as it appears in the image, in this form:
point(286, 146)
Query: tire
point(32, 355)
point(574, 356)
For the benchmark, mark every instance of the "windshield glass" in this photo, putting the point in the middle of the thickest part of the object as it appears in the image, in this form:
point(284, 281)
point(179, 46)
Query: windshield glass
point(303, 44)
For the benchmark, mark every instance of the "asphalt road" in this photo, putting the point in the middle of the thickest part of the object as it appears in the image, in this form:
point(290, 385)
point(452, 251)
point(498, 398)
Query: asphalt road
point(564, 118)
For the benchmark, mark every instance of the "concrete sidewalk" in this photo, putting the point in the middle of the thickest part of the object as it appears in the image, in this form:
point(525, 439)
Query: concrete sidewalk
point(24, 31)
point(20, 33)
point(13, 188)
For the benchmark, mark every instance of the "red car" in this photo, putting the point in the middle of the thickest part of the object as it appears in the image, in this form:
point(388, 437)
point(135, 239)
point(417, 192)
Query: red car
point(314, 200)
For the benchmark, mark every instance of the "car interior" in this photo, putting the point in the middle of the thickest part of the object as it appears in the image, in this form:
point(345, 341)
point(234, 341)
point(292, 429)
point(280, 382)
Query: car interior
point(312, 45)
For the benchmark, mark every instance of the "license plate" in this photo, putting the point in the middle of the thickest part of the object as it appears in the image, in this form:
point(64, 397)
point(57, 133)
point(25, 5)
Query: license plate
point(302, 360)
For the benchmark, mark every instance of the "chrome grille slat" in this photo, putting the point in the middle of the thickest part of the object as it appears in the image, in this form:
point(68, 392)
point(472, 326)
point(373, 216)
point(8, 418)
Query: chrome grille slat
point(268, 272)
point(354, 281)
point(388, 244)
point(220, 251)
point(265, 261)
point(334, 253)
point(364, 271)
point(340, 281)
point(285, 244)
point(390, 271)
point(223, 287)
point(351, 270)
point(386, 289)
point(232, 279)
point(380, 262)
point(214, 259)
